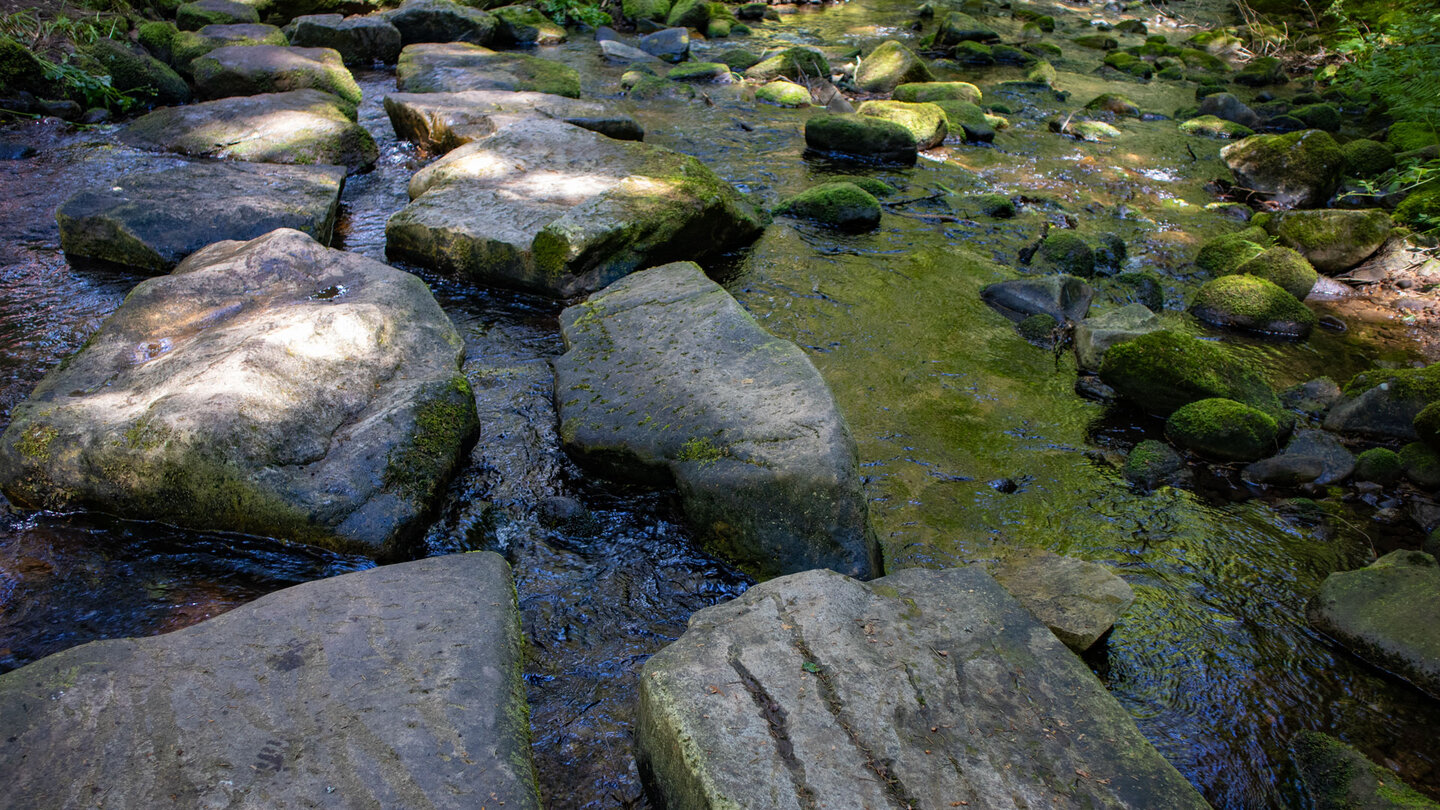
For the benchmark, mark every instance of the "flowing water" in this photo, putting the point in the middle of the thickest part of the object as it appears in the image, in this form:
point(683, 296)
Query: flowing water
point(972, 440)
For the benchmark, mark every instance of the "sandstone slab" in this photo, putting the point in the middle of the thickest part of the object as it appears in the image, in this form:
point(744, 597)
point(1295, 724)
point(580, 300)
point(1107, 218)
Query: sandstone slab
point(667, 378)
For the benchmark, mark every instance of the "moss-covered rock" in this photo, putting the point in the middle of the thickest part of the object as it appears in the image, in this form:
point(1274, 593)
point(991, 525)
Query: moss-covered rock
point(1426, 424)
point(1380, 465)
point(1421, 464)
point(1066, 252)
point(1365, 158)
point(159, 39)
point(1138, 287)
point(1332, 240)
point(1319, 116)
point(1164, 370)
point(425, 21)
point(964, 118)
point(958, 27)
point(1339, 777)
point(695, 14)
point(454, 67)
point(926, 122)
point(998, 206)
point(1224, 253)
point(1152, 464)
point(796, 64)
point(1253, 304)
point(1099, 42)
point(1299, 169)
point(187, 46)
point(1115, 104)
point(889, 66)
point(784, 93)
point(700, 73)
point(197, 15)
point(1042, 73)
point(1205, 61)
point(656, 10)
point(917, 92)
point(523, 25)
point(1038, 328)
point(1129, 64)
point(1421, 210)
point(1407, 136)
point(654, 87)
point(860, 136)
point(1223, 429)
point(1285, 268)
point(1211, 127)
point(247, 70)
point(739, 59)
point(137, 73)
point(973, 53)
point(1082, 129)
point(840, 204)
point(1262, 72)
point(1094, 336)
point(1390, 404)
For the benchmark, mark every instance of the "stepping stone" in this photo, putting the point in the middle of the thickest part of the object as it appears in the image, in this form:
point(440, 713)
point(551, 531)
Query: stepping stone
point(191, 45)
point(440, 122)
point(400, 678)
point(197, 15)
point(456, 67)
point(668, 378)
point(921, 689)
point(617, 51)
point(152, 221)
point(442, 21)
point(1079, 601)
point(359, 40)
point(248, 70)
point(548, 207)
point(301, 126)
point(272, 387)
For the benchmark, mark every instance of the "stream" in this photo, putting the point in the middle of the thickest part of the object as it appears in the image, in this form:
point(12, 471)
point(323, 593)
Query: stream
point(972, 441)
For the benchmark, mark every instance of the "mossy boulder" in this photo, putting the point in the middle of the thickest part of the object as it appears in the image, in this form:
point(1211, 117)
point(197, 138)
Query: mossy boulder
point(889, 66)
point(700, 73)
point(197, 15)
point(739, 59)
point(1083, 129)
point(1263, 71)
point(655, 10)
point(523, 25)
point(1407, 136)
point(1129, 64)
point(1379, 465)
point(1319, 116)
point(1421, 464)
point(187, 46)
point(247, 70)
point(840, 204)
point(1152, 464)
point(1299, 169)
point(1115, 104)
point(1196, 59)
point(998, 206)
point(1332, 240)
point(784, 93)
point(1042, 73)
point(1285, 268)
point(1223, 429)
point(916, 92)
point(925, 122)
point(1098, 42)
point(1420, 210)
point(157, 38)
point(796, 64)
point(329, 419)
point(1038, 328)
point(958, 27)
point(860, 136)
point(1389, 404)
point(1253, 304)
point(974, 53)
point(1094, 336)
point(1224, 253)
point(421, 21)
point(964, 118)
point(1338, 777)
point(1211, 127)
point(1066, 252)
point(1164, 370)
point(653, 87)
point(454, 67)
point(1366, 158)
point(138, 73)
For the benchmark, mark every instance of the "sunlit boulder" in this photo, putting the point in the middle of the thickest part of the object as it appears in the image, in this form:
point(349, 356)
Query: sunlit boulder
point(440, 122)
point(457, 66)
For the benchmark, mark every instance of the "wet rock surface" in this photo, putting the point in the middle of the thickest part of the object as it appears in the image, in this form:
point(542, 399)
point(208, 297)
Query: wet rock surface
point(440, 122)
point(923, 688)
point(458, 66)
point(666, 378)
point(398, 684)
point(1078, 600)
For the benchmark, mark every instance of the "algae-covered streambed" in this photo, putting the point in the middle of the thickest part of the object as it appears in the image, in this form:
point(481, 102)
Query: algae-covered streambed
point(971, 439)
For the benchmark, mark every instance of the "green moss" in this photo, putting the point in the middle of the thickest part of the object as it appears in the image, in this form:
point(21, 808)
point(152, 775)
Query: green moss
point(1415, 384)
point(739, 59)
point(796, 64)
point(646, 9)
point(877, 188)
point(1066, 252)
point(1285, 268)
point(1114, 103)
point(1163, 370)
point(194, 16)
point(1421, 464)
point(860, 135)
point(158, 38)
point(34, 443)
point(1365, 158)
point(784, 93)
point(1319, 116)
point(1099, 42)
point(1251, 302)
point(998, 206)
point(1379, 465)
point(1223, 429)
point(973, 53)
point(444, 423)
point(1261, 72)
point(1042, 73)
point(839, 204)
point(138, 74)
point(925, 122)
point(1212, 127)
point(915, 92)
point(1421, 210)
point(1038, 328)
point(702, 451)
point(699, 72)
point(1129, 64)
point(1407, 136)
point(889, 66)
point(652, 87)
point(1427, 424)
point(1202, 60)
point(1224, 253)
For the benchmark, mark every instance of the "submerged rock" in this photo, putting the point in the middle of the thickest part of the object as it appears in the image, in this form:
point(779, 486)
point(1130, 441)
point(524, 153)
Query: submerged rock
point(860, 136)
point(1385, 614)
point(1339, 777)
point(358, 40)
point(1312, 456)
point(1064, 298)
point(549, 207)
point(817, 688)
point(667, 378)
point(889, 66)
point(271, 387)
point(670, 44)
point(301, 126)
point(1300, 169)
point(840, 204)
point(404, 675)
point(247, 70)
point(1079, 601)
point(152, 221)
point(1093, 336)
point(1152, 464)
point(1164, 370)
point(441, 122)
point(1332, 240)
point(457, 66)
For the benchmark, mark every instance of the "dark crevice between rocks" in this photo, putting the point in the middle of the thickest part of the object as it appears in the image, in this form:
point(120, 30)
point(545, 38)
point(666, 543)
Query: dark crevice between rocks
point(774, 715)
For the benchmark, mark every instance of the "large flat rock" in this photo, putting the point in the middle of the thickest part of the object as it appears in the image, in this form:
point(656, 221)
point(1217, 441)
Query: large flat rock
point(1388, 613)
point(358, 40)
point(248, 70)
point(925, 689)
point(272, 387)
point(549, 207)
point(1078, 600)
point(454, 67)
point(152, 221)
point(395, 687)
point(667, 378)
point(440, 122)
point(298, 127)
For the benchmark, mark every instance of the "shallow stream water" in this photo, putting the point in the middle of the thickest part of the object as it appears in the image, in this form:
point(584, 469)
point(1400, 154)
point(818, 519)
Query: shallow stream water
point(972, 440)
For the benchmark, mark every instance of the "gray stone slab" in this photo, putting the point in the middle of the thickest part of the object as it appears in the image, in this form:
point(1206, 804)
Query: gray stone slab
point(454, 67)
point(440, 122)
